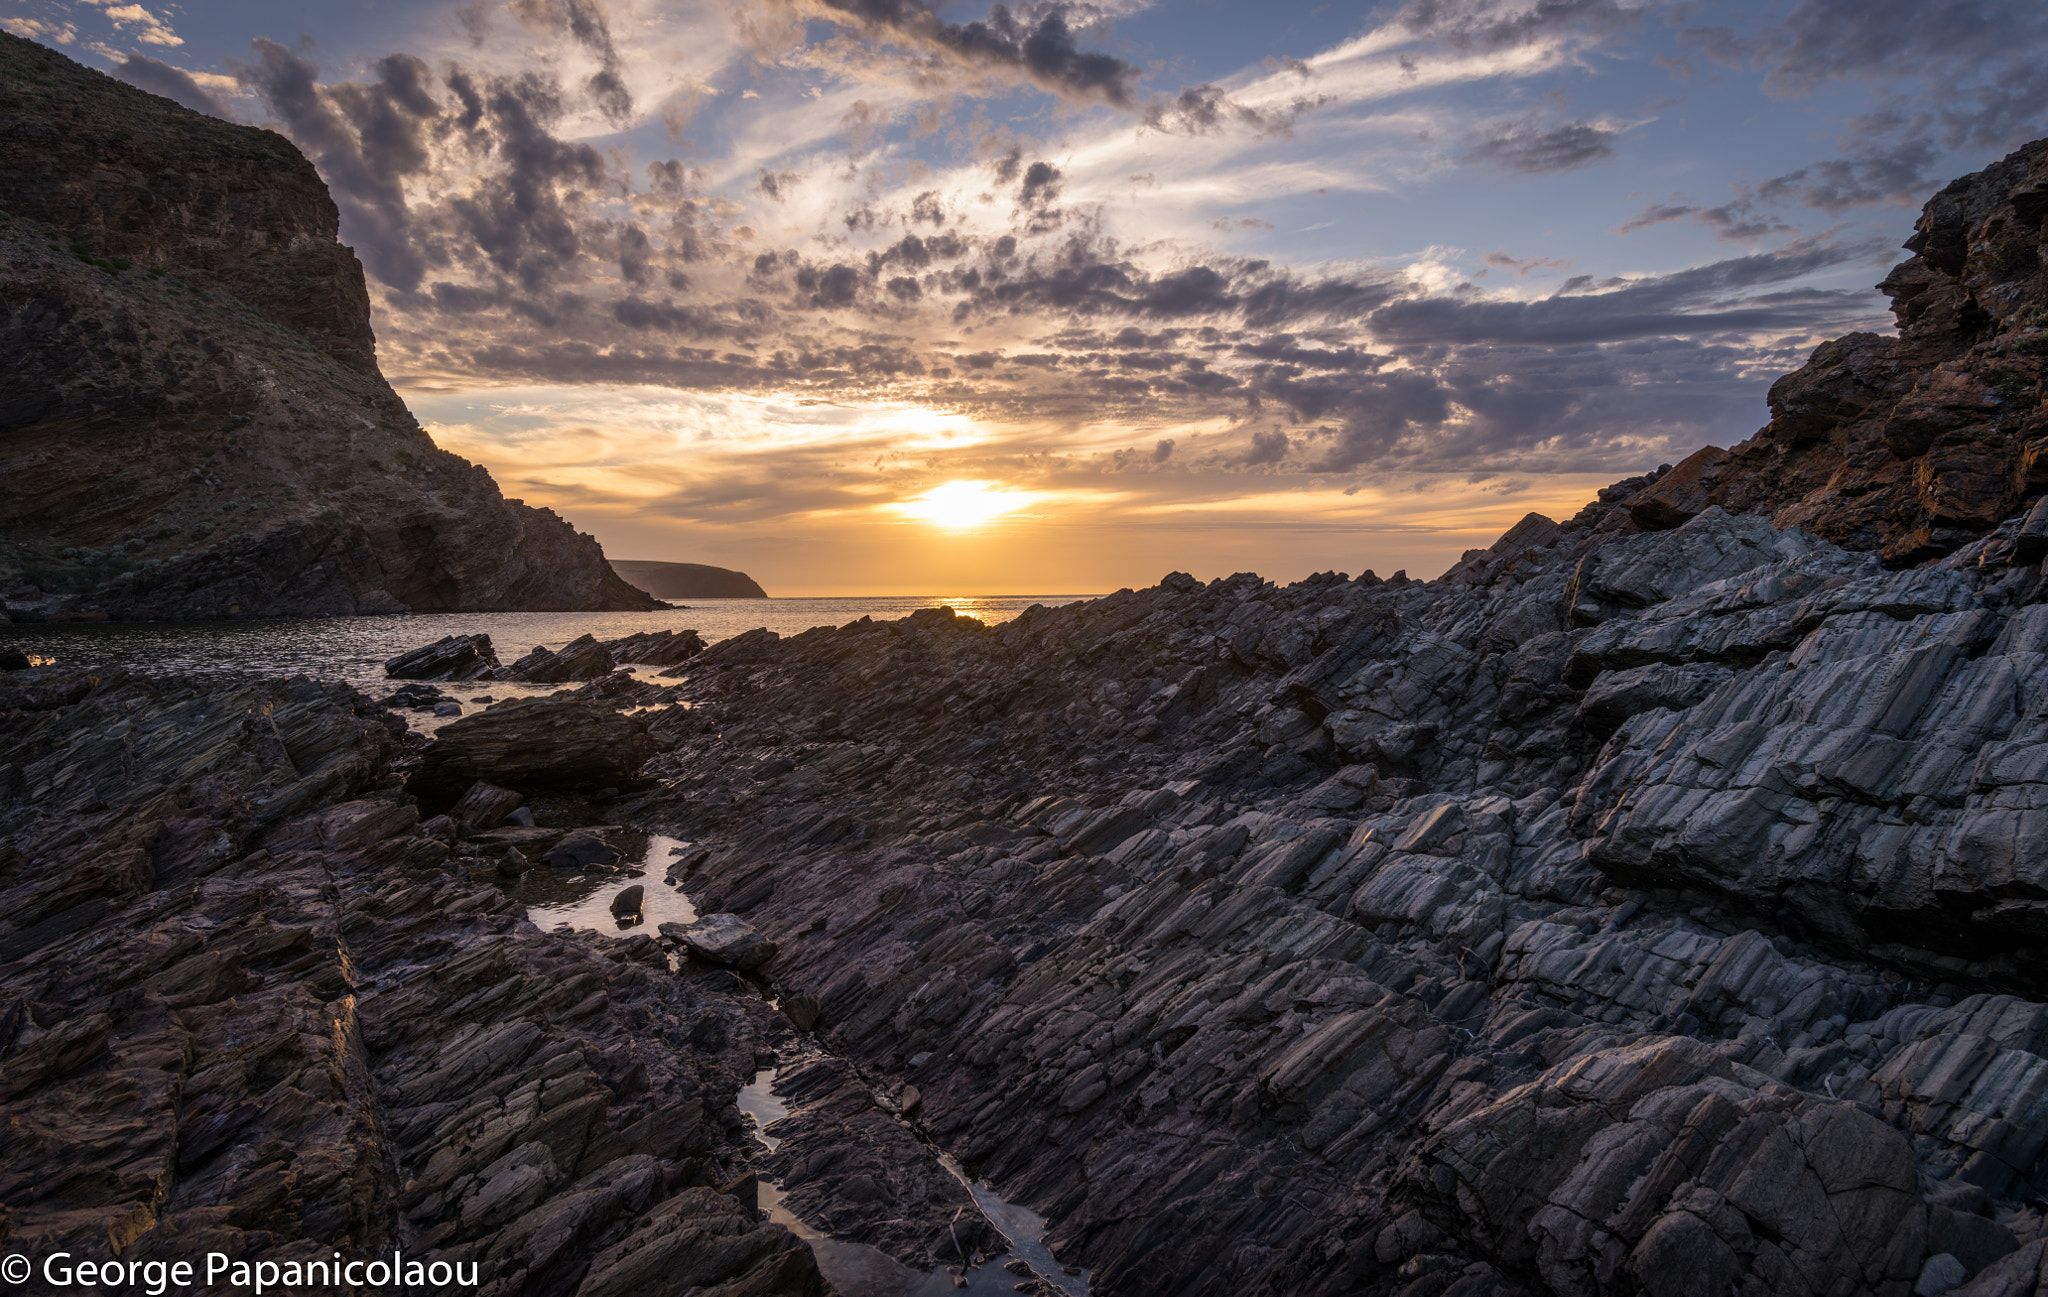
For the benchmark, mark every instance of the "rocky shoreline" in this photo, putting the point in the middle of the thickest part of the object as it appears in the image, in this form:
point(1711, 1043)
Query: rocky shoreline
point(1655, 903)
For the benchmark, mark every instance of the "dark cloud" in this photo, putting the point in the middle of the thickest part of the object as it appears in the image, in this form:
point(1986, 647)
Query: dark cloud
point(1268, 446)
point(1900, 174)
point(775, 184)
point(367, 138)
point(175, 84)
point(1206, 109)
point(1739, 220)
point(1956, 75)
point(1041, 49)
point(1163, 451)
point(585, 22)
point(1701, 302)
point(1527, 147)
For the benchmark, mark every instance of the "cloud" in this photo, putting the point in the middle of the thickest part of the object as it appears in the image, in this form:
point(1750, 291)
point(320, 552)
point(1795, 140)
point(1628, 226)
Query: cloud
point(586, 22)
point(1740, 220)
point(175, 84)
point(1206, 109)
point(38, 29)
point(1042, 51)
point(1530, 148)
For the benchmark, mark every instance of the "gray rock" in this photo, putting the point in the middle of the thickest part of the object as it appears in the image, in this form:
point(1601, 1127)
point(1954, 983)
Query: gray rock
point(582, 850)
point(723, 939)
point(452, 657)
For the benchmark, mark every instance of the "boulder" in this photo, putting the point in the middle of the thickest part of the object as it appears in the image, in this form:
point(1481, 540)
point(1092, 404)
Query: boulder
point(416, 697)
point(725, 939)
point(626, 905)
point(13, 660)
point(553, 743)
point(452, 657)
point(581, 850)
point(484, 806)
point(448, 707)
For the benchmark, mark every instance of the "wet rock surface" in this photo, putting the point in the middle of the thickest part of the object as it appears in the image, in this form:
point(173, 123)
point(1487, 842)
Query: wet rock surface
point(250, 1002)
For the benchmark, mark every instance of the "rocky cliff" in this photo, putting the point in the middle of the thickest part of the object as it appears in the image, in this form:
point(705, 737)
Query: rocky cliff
point(689, 580)
point(192, 422)
point(1918, 444)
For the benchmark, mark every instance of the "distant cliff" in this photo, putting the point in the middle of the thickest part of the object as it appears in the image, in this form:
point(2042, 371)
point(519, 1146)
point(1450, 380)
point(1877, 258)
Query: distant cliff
point(192, 422)
point(688, 580)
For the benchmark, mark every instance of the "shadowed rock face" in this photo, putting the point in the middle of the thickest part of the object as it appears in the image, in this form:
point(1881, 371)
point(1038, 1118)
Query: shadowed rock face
point(1914, 445)
point(192, 422)
point(251, 1003)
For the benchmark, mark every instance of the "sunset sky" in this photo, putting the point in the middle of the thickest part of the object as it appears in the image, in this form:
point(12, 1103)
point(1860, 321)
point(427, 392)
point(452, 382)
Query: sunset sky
point(867, 297)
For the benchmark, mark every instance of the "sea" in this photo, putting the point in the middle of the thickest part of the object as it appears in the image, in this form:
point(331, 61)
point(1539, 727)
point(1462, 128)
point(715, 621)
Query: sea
point(354, 649)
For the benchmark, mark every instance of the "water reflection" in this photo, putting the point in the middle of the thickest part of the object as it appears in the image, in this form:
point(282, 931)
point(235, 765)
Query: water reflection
point(858, 1270)
point(584, 899)
point(355, 648)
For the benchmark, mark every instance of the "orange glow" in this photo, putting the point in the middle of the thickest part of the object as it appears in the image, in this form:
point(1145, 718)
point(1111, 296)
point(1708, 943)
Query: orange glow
point(964, 506)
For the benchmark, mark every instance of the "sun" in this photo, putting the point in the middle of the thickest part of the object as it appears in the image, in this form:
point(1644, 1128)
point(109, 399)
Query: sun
point(963, 506)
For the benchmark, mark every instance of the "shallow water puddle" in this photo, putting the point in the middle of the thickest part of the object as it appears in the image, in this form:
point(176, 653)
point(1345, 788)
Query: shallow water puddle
point(857, 1270)
point(584, 900)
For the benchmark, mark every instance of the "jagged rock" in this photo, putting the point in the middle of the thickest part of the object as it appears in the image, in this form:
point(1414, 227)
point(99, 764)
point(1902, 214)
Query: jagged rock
point(656, 648)
point(484, 806)
point(416, 697)
point(1917, 445)
point(452, 657)
point(247, 999)
point(847, 1165)
point(581, 659)
point(540, 743)
point(722, 939)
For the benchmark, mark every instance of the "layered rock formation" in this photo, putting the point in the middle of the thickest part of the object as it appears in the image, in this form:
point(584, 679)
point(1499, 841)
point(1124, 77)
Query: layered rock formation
point(1381, 937)
point(1913, 445)
point(250, 1003)
point(192, 422)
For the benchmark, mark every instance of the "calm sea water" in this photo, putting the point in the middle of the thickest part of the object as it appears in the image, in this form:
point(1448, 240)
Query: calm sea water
point(355, 648)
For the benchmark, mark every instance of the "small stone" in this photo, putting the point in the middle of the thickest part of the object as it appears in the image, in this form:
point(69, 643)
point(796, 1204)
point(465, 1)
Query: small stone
point(1941, 1273)
point(801, 1009)
point(910, 1101)
point(626, 905)
point(514, 863)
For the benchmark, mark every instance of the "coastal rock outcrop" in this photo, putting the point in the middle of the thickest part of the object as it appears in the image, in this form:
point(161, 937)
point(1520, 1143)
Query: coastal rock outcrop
point(1916, 445)
point(251, 1004)
point(1631, 909)
point(546, 743)
point(195, 419)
